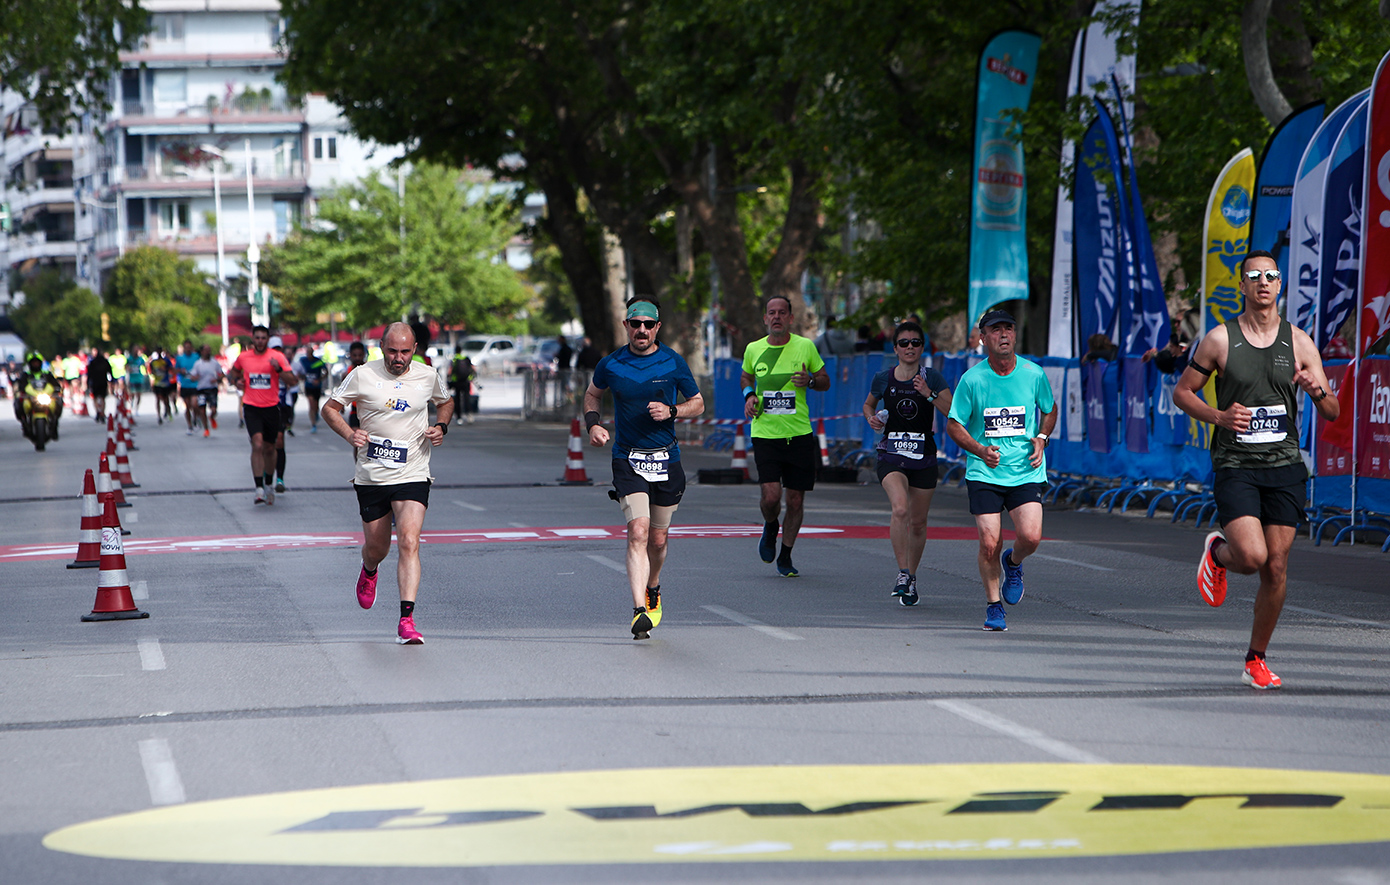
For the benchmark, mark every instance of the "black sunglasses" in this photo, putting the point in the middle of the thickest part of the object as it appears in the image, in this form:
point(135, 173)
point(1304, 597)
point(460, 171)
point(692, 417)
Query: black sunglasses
point(643, 324)
point(1271, 276)
point(909, 342)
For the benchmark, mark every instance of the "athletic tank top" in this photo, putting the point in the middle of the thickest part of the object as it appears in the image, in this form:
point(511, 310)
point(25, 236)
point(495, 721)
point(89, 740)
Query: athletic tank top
point(907, 439)
point(1261, 379)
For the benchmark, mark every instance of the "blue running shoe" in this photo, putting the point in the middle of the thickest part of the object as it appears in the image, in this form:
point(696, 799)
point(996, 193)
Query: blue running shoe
point(900, 587)
point(909, 595)
point(1011, 582)
point(994, 618)
point(786, 569)
point(767, 544)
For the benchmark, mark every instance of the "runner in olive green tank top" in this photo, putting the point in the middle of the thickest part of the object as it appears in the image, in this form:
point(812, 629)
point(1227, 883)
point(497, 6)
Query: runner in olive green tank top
point(1260, 483)
point(1261, 379)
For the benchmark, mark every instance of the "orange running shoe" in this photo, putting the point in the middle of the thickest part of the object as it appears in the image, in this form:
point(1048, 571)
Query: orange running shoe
point(1211, 576)
point(1257, 675)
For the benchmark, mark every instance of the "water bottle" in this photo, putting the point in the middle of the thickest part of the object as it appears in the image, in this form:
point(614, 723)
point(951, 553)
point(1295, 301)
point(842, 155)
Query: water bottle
point(882, 416)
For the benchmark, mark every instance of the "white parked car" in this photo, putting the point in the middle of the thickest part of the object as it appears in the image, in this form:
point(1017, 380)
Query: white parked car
point(489, 353)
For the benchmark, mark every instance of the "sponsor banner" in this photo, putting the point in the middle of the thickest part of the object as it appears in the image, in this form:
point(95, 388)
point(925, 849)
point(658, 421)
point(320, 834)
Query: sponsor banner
point(1341, 230)
point(1136, 402)
point(1332, 460)
point(1301, 285)
point(1269, 223)
point(998, 242)
point(768, 814)
point(1097, 423)
point(1170, 422)
point(1373, 424)
point(1101, 271)
point(1095, 61)
point(1375, 276)
point(1226, 231)
point(1076, 406)
point(1150, 326)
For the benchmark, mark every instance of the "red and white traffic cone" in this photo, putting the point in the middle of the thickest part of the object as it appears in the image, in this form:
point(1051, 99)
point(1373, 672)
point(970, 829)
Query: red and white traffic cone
point(111, 435)
point(824, 447)
point(123, 463)
point(114, 602)
point(89, 535)
point(575, 475)
point(108, 484)
point(740, 461)
point(79, 408)
point(125, 428)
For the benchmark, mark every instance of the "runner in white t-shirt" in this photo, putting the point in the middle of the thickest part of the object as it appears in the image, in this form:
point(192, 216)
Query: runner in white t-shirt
point(206, 375)
point(393, 446)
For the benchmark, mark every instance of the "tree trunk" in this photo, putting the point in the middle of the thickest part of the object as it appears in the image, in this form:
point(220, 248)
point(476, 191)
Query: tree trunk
point(615, 286)
point(1255, 47)
point(799, 231)
point(566, 225)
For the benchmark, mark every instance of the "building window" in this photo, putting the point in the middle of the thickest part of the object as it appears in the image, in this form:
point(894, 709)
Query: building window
point(332, 148)
point(173, 217)
point(318, 148)
point(170, 88)
point(287, 213)
point(166, 27)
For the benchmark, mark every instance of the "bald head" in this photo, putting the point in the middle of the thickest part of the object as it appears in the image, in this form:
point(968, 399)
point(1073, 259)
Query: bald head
point(397, 348)
point(399, 334)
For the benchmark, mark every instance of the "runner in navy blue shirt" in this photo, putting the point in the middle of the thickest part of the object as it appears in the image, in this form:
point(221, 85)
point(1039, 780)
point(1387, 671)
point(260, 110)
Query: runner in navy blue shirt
point(907, 452)
point(645, 378)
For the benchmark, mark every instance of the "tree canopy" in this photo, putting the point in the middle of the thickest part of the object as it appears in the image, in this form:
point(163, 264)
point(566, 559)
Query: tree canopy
point(153, 296)
point(450, 265)
point(57, 316)
point(62, 54)
point(840, 131)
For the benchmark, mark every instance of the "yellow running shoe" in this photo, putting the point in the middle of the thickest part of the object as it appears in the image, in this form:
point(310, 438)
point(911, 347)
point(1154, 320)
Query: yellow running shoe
point(654, 604)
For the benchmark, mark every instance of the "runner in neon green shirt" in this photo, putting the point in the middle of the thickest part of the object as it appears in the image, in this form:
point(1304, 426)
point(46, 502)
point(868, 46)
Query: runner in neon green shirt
point(777, 370)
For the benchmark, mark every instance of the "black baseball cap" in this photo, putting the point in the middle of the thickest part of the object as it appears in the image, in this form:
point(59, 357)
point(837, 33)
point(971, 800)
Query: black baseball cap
point(995, 317)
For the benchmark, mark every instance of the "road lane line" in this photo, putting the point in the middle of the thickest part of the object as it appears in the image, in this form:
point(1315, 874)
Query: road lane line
point(604, 560)
point(140, 590)
point(474, 507)
point(130, 518)
point(1321, 614)
point(518, 525)
point(151, 655)
point(1023, 733)
point(1099, 568)
point(738, 618)
point(161, 773)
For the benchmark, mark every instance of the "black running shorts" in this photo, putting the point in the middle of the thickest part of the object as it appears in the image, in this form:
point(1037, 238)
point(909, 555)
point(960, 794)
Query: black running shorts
point(1273, 495)
point(917, 477)
point(374, 502)
point(208, 397)
point(793, 461)
point(662, 493)
point(986, 497)
point(264, 420)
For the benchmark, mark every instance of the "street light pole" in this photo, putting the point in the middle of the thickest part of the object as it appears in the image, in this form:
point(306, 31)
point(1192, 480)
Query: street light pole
point(221, 266)
point(253, 252)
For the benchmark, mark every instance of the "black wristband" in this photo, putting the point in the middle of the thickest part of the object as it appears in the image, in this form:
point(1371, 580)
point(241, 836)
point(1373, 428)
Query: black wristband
point(443, 426)
point(1319, 396)
point(591, 419)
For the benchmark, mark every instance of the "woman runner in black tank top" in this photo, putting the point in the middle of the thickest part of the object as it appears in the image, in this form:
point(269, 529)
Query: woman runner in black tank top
point(907, 451)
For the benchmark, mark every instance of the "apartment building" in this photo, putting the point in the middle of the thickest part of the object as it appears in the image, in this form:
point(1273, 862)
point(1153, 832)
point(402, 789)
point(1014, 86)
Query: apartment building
point(197, 105)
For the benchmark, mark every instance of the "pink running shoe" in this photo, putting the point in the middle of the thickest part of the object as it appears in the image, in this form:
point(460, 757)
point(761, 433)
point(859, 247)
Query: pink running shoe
point(406, 634)
point(366, 588)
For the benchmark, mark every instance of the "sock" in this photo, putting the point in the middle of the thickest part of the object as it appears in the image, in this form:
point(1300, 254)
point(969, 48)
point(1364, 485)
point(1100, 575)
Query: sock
point(1252, 655)
point(260, 482)
point(1010, 560)
point(903, 571)
point(407, 608)
point(770, 530)
point(280, 463)
point(269, 478)
point(639, 610)
point(785, 556)
point(371, 573)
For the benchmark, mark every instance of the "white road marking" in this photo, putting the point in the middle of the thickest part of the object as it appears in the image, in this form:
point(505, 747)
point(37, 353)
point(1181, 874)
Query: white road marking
point(474, 507)
point(140, 590)
point(1022, 733)
point(604, 560)
point(1099, 568)
point(1328, 615)
point(131, 518)
point(518, 525)
point(151, 655)
point(160, 772)
point(738, 618)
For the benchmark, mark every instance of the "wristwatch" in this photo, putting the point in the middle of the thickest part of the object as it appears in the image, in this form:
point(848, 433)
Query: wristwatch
point(1043, 437)
point(444, 427)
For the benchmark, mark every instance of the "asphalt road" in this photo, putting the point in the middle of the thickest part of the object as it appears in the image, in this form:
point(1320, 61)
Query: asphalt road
point(259, 725)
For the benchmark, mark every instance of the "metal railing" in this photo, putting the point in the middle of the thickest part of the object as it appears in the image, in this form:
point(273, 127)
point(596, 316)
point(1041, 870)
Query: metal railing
point(248, 106)
point(553, 395)
point(201, 173)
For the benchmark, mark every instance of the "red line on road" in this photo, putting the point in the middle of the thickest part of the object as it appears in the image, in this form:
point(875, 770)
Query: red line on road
point(253, 543)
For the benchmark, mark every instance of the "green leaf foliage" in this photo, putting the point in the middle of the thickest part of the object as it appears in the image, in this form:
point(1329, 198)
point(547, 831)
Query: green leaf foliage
point(154, 297)
point(57, 316)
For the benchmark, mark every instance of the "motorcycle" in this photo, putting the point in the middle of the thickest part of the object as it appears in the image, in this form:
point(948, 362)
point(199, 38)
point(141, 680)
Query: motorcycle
point(41, 407)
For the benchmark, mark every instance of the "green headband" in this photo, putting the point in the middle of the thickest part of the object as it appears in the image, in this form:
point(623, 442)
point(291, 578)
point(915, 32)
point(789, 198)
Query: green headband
point(643, 309)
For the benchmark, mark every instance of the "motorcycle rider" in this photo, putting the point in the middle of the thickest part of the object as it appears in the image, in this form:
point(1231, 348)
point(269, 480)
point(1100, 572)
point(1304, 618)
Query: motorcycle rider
point(33, 382)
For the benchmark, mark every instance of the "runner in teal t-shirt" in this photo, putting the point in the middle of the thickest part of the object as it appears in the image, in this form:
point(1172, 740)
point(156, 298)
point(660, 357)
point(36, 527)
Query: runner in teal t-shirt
point(994, 418)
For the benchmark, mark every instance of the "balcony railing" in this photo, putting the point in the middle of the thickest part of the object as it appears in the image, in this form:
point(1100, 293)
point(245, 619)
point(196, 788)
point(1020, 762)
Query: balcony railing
point(201, 174)
point(239, 106)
